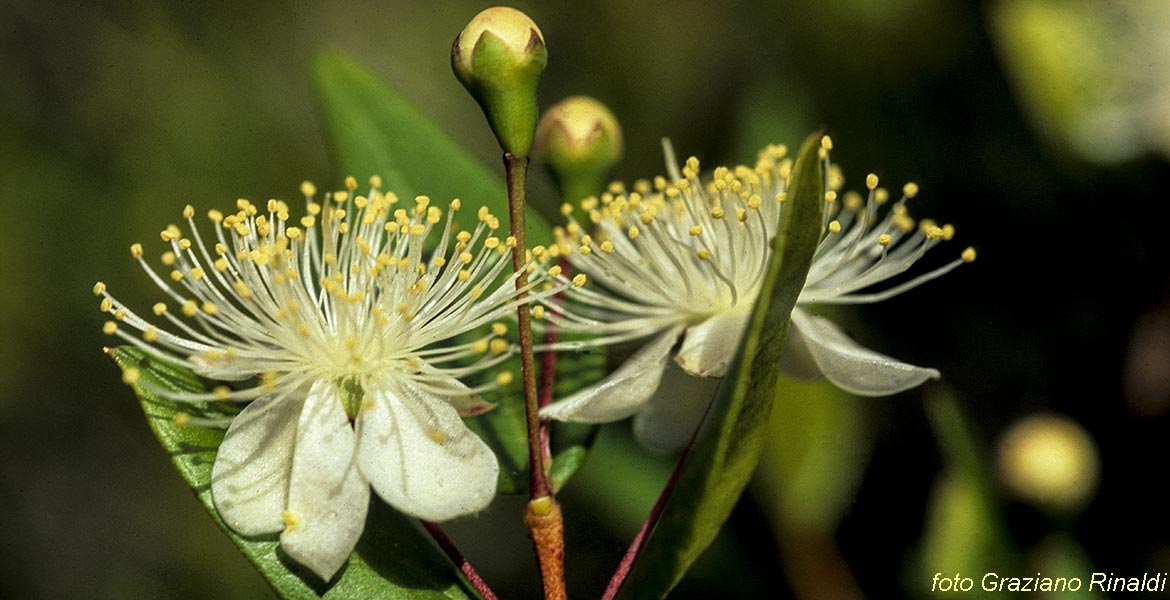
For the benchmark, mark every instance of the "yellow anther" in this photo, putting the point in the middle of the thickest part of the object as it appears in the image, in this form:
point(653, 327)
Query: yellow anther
point(168, 258)
point(136, 250)
point(881, 195)
point(159, 309)
point(884, 239)
point(538, 312)
point(491, 243)
point(197, 273)
point(181, 419)
point(830, 197)
point(418, 229)
point(360, 201)
point(696, 230)
point(499, 328)
point(910, 189)
point(131, 376)
point(968, 255)
point(834, 226)
point(434, 215)
point(210, 309)
point(176, 275)
point(948, 232)
point(242, 289)
point(504, 378)
point(703, 254)
point(476, 291)
point(293, 233)
point(150, 335)
point(190, 308)
point(439, 262)
point(308, 190)
point(483, 213)
point(215, 216)
point(554, 271)
point(566, 209)
point(106, 305)
point(510, 241)
point(781, 197)
point(109, 327)
point(463, 236)
point(221, 264)
point(498, 346)
point(464, 275)
point(375, 181)
point(633, 232)
point(480, 346)
point(99, 288)
point(585, 250)
point(871, 181)
point(607, 247)
point(826, 142)
point(350, 183)
point(220, 249)
point(934, 233)
point(120, 314)
point(579, 279)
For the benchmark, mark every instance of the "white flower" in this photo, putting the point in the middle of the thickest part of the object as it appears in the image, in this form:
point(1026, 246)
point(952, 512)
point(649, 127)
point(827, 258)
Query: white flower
point(341, 319)
point(686, 258)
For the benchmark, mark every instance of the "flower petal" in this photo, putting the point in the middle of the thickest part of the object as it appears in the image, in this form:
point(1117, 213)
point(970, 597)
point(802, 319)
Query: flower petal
point(421, 458)
point(675, 411)
point(249, 481)
point(621, 394)
point(852, 367)
point(708, 347)
point(328, 498)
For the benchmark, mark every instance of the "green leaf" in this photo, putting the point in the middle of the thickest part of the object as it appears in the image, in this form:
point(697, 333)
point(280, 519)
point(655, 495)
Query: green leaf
point(722, 461)
point(393, 559)
point(965, 531)
point(376, 131)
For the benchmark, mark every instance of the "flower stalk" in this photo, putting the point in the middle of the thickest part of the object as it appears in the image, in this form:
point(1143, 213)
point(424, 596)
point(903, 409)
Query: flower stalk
point(542, 516)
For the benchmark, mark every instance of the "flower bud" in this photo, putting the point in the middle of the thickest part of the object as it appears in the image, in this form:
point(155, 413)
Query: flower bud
point(1049, 461)
point(579, 140)
point(498, 57)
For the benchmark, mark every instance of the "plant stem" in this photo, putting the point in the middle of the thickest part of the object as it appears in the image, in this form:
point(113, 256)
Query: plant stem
point(627, 563)
point(456, 557)
point(542, 516)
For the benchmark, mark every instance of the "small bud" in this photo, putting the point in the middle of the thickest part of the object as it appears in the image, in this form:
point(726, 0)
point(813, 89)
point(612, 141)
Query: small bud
point(1049, 461)
point(498, 57)
point(580, 140)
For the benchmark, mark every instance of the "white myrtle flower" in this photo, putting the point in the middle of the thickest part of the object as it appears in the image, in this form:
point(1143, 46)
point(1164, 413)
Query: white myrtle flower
point(341, 321)
point(685, 259)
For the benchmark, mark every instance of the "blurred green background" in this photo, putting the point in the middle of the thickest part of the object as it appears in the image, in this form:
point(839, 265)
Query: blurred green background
point(1041, 129)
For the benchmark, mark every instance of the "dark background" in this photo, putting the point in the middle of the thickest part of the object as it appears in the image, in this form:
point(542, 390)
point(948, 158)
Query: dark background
point(1044, 140)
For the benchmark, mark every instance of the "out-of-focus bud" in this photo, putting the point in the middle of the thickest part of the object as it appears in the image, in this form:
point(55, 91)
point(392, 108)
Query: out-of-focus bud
point(580, 140)
point(1049, 461)
point(498, 57)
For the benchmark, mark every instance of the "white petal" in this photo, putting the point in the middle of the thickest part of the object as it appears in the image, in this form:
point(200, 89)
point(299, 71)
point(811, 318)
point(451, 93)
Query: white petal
point(421, 458)
point(709, 347)
point(850, 366)
point(249, 481)
point(621, 394)
point(675, 411)
point(328, 497)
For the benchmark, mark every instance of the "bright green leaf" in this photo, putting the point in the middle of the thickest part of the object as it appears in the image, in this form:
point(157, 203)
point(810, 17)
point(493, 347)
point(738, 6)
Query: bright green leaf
point(724, 457)
point(375, 130)
point(392, 560)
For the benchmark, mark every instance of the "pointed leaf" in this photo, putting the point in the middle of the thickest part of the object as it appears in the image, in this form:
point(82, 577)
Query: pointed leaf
point(375, 130)
point(393, 559)
point(722, 461)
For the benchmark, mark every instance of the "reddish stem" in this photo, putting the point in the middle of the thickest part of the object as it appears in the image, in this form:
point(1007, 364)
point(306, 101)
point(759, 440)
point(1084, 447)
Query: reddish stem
point(456, 557)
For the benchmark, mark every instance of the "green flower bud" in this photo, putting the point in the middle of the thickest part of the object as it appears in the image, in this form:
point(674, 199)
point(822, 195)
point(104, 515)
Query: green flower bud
point(580, 140)
point(499, 57)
